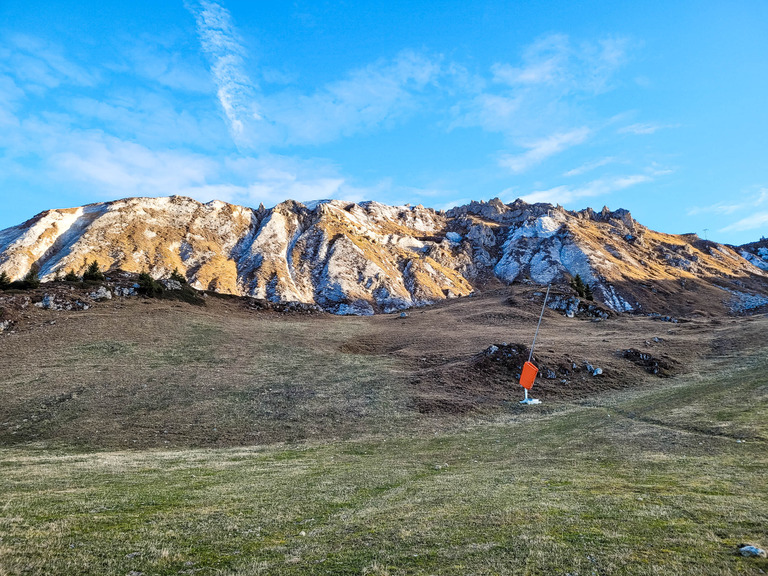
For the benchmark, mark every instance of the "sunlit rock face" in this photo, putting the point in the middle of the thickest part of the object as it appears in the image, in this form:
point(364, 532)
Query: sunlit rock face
point(367, 258)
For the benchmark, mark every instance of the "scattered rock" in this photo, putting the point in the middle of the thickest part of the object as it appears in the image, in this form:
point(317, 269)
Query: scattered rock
point(356, 308)
point(46, 303)
point(657, 366)
point(55, 302)
point(597, 372)
point(573, 306)
point(170, 284)
point(126, 291)
point(657, 316)
point(742, 302)
point(101, 294)
point(403, 314)
point(492, 349)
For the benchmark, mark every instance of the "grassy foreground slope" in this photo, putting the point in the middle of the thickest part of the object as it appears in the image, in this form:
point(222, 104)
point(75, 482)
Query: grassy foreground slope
point(666, 480)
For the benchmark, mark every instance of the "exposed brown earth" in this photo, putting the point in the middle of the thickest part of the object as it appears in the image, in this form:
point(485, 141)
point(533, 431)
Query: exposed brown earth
point(136, 372)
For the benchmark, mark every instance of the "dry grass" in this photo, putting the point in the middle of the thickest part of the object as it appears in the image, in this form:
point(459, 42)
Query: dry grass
point(280, 444)
point(143, 373)
point(586, 490)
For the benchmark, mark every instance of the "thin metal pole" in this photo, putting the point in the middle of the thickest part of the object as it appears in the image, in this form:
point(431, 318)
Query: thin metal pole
point(539, 324)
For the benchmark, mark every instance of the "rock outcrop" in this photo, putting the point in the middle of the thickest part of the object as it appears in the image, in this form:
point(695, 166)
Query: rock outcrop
point(365, 258)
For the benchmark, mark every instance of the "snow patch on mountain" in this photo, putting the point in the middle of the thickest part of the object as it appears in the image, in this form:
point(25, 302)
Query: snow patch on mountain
point(613, 299)
point(761, 260)
point(741, 302)
point(369, 257)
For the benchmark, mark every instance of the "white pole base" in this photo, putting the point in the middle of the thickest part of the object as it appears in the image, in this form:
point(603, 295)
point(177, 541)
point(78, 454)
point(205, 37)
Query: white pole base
point(529, 400)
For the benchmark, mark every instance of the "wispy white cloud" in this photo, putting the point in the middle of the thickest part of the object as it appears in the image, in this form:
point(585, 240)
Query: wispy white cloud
point(537, 103)
point(719, 208)
point(108, 167)
point(600, 187)
point(151, 118)
point(751, 200)
point(589, 166)
point(544, 62)
point(10, 96)
point(236, 91)
point(555, 60)
point(645, 128)
point(751, 222)
point(118, 168)
point(161, 61)
point(540, 150)
point(368, 98)
point(39, 65)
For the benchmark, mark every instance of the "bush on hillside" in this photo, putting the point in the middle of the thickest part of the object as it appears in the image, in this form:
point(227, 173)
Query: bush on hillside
point(93, 273)
point(5, 282)
point(148, 286)
point(582, 289)
point(152, 288)
point(178, 277)
point(31, 280)
point(71, 277)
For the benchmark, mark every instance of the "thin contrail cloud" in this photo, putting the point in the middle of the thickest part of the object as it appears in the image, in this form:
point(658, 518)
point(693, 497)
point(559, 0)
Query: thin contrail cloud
point(225, 52)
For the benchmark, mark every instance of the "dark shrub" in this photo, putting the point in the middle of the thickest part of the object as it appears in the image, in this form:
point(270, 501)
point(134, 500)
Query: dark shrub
point(93, 273)
point(148, 286)
point(578, 284)
point(176, 275)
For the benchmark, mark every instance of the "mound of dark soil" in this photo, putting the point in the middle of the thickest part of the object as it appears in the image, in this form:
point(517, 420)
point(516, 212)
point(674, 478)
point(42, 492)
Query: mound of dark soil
point(661, 367)
point(490, 378)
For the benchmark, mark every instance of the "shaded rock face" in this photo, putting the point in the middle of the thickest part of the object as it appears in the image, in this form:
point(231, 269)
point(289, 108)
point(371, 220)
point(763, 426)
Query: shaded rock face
point(366, 258)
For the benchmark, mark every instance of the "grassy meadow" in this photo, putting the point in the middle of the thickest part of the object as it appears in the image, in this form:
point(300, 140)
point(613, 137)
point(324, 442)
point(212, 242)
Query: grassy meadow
point(658, 480)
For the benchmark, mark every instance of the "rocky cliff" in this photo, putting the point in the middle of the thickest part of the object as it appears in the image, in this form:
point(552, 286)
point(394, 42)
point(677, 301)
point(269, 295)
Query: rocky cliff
point(364, 258)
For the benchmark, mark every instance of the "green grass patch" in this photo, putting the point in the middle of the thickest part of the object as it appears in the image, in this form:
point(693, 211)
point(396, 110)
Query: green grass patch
point(635, 486)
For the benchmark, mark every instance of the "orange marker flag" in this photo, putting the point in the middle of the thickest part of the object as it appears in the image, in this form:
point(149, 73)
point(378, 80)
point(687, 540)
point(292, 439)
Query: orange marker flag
point(529, 370)
point(528, 375)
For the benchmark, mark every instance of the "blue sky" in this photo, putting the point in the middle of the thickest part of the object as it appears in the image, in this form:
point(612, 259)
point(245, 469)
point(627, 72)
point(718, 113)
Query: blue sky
point(657, 107)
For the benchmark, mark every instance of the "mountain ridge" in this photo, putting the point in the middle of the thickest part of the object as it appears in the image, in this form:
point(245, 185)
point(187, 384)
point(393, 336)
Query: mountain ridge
point(368, 257)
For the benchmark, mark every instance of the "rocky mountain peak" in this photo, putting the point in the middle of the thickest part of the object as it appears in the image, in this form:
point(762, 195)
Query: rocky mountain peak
point(369, 257)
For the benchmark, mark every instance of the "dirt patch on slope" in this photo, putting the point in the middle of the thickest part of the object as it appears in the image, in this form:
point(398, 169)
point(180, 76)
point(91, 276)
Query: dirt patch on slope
point(130, 372)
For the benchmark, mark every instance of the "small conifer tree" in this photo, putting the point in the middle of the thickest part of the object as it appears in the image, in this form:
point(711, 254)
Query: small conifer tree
point(176, 275)
point(93, 272)
point(148, 286)
point(72, 277)
point(4, 280)
point(31, 280)
point(588, 292)
point(578, 284)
